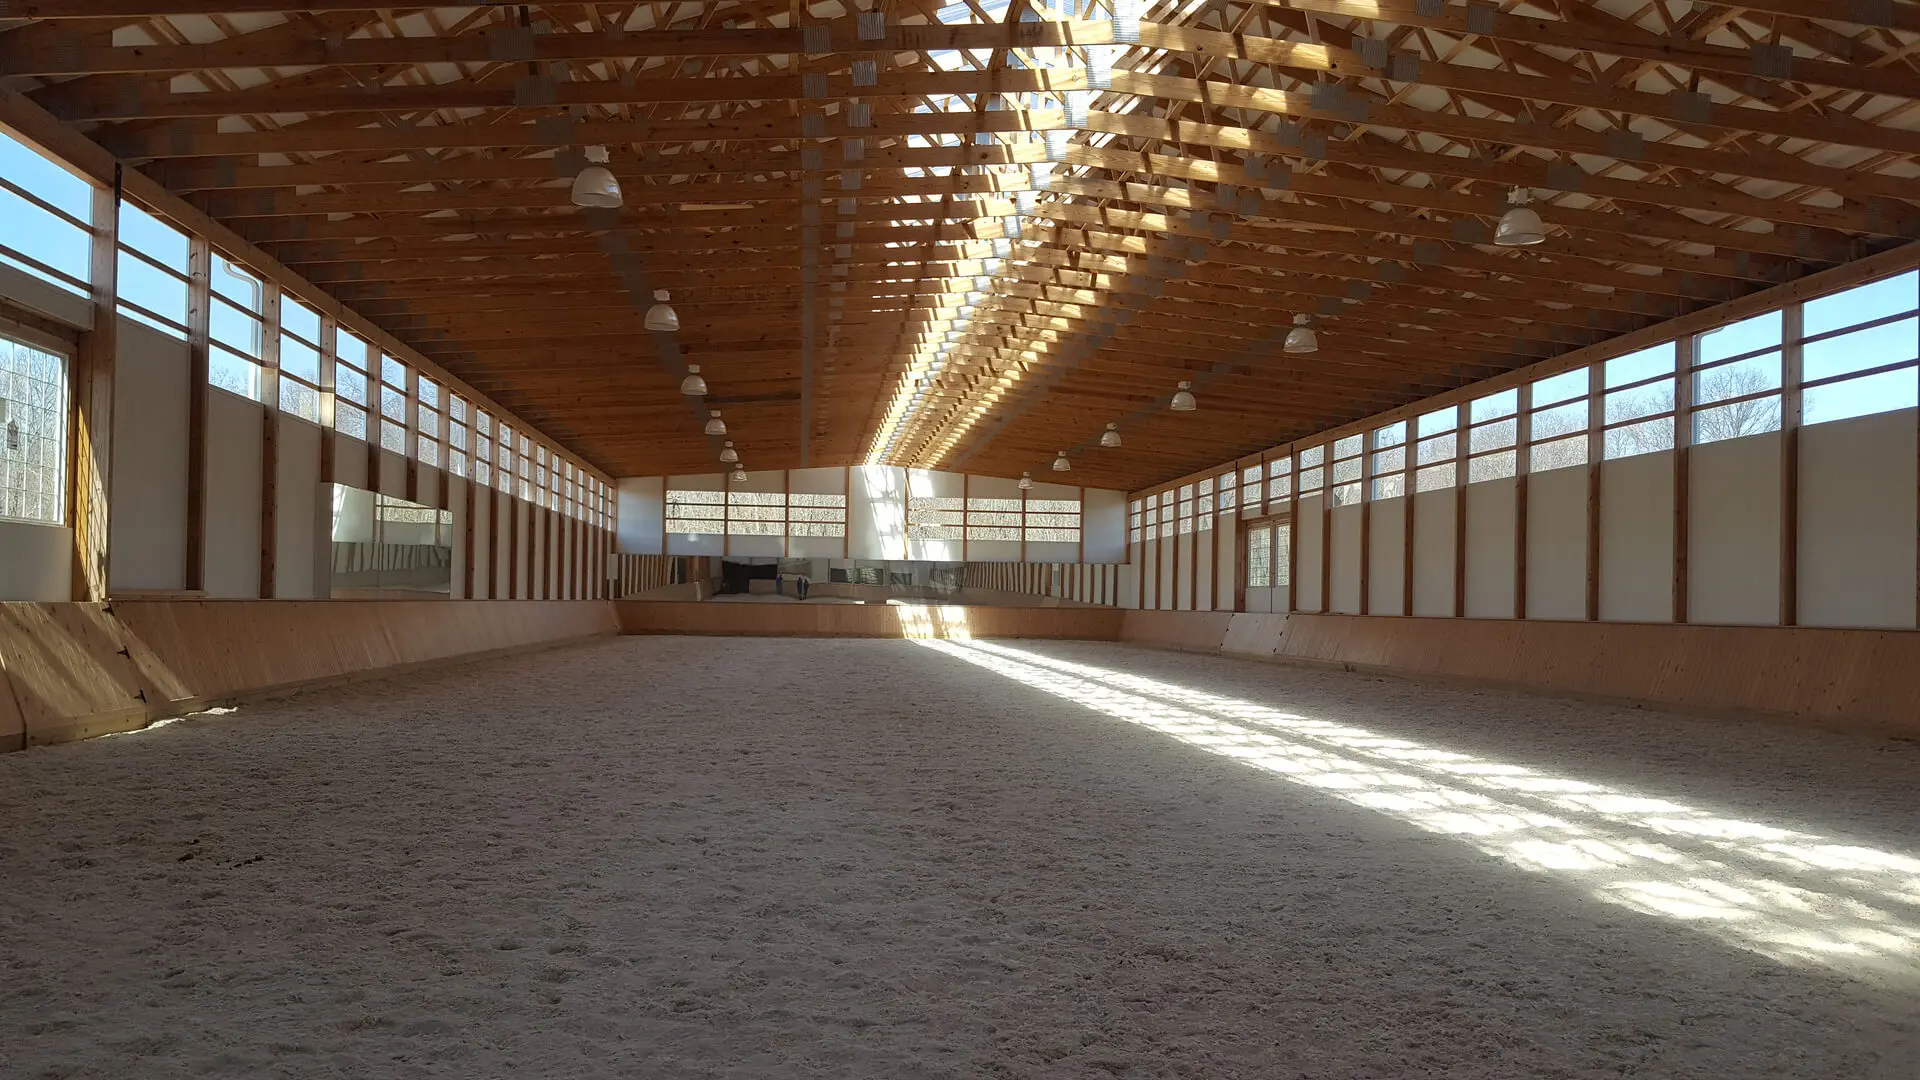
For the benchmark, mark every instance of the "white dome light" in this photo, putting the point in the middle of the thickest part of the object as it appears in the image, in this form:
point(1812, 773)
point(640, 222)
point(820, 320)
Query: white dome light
point(1111, 436)
point(1060, 463)
point(595, 186)
point(728, 455)
point(693, 385)
point(739, 475)
point(1026, 481)
point(1520, 226)
point(1183, 399)
point(1301, 339)
point(661, 317)
point(715, 425)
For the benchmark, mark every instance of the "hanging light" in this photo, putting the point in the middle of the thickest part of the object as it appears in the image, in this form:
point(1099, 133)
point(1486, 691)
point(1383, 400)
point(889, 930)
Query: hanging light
point(715, 425)
point(728, 455)
point(595, 186)
point(739, 474)
point(1026, 481)
point(1301, 339)
point(1060, 463)
point(693, 385)
point(661, 316)
point(1520, 226)
point(1182, 399)
point(1111, 436)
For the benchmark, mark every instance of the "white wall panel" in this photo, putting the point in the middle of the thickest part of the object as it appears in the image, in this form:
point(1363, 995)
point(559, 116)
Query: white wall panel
point(1857, 527)
point(1733, 531)
point(1204, 588)
point(1344, 527)
point(1167, 596)
point(1306, 539)
point(349, 461)
point(1557, 544)
point(876, 513)
point(1129, 592)
point(302, 516)
point(1636, 538)
point(233, 496)
point(1491, 521)
point(1386, 557)
point(640, 520)
point(1103, 524)
point(457, 506)
point(393, 474)
point(36, 562)
point(147, 529)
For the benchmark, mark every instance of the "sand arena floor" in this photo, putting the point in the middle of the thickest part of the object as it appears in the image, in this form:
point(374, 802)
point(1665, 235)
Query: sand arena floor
point(672, 857)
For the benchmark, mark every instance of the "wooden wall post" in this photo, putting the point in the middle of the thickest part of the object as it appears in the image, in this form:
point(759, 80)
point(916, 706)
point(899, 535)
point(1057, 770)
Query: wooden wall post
point(199, 398)
point(1462, 470)
point(1596, 460)
point(90, 397)
point(1522, 469)
point(1687, 349)
point(269, 439)
point(1792, 414)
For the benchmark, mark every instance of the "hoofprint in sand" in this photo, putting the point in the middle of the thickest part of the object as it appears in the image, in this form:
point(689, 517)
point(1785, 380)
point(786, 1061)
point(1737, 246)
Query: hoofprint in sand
point(680, 857)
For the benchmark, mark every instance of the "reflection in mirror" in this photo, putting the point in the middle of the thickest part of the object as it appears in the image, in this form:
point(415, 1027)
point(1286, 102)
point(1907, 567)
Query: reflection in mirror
point(388, 548)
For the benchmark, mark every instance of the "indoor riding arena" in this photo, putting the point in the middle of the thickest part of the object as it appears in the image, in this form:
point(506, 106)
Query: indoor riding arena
point(1022, 539)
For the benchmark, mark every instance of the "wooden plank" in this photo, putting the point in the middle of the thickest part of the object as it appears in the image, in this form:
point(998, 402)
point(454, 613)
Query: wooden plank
point(90, 448)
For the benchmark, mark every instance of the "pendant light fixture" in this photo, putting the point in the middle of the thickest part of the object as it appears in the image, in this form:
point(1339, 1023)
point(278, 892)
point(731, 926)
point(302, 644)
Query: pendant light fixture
point(1520, 226)
point(1111, 436)
point(715, 425)
point(661, 317)
point(1183, 399)
point(728, 455)
point(596, 187)
point(693, 385)
point(1301, 339)
point(1026, 481)
point(1060, 462)
point(739, 474)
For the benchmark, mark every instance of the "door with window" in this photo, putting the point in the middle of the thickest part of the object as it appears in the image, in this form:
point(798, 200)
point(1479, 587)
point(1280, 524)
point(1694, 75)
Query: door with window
point(1266, 564)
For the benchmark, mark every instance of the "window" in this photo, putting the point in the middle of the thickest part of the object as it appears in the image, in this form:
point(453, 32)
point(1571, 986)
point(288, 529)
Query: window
point(1390, 461)
point(1279, 483)
point(1435, 453)
point(1639, 402)
point(299, 360)
point(1135, 514)
point(1491, 433)
point(696, 513)
point(1185, 504)
point(153, 271)
point(350, 386)
point(483, 448)
point(1312, 470)
point(1251, 491)
point(1557, 426)
point(393, 404)
point(935, 518)
point(1259, 558)
point(458, 418)
point(994, 519)
point(1859, 349)
point(756, 513)
point(33, 433)
point(237, 328)
point(49, 216)
point(1347, 469)
point(1736, 379)
point(1203, 504)
point(427, 441)
point(1229, 489)
point(1053, 521)
point(816, 515)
